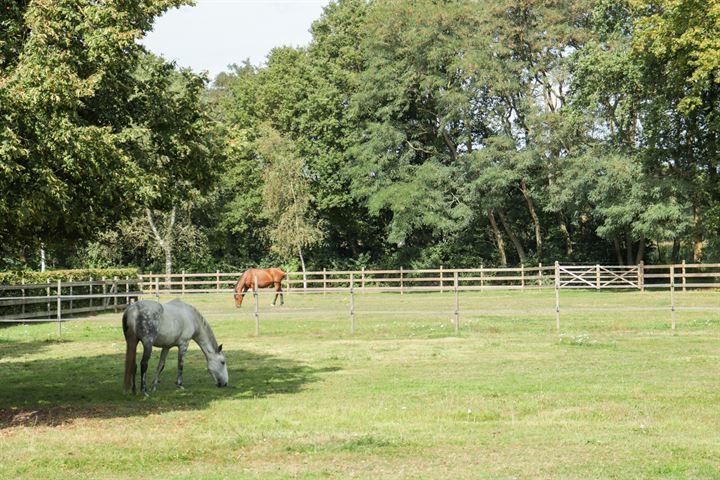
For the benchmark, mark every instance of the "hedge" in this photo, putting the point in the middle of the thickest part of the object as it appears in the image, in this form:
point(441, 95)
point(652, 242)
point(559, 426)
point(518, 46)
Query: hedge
point(79, 275)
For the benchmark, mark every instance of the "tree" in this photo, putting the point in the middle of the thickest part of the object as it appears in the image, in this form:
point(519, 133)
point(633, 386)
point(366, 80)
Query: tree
point(287, 200)
point(91, 128)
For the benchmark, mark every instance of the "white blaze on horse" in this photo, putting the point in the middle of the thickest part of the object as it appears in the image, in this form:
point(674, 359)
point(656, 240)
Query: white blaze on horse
point(255, 278)
point(168, 325)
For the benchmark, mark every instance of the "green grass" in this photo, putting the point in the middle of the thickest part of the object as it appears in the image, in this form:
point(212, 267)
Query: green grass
point(612, 395)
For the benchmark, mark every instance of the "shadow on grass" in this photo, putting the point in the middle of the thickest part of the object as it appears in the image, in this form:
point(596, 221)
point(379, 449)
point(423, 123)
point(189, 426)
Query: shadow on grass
point(51, 392)
point(10, 348)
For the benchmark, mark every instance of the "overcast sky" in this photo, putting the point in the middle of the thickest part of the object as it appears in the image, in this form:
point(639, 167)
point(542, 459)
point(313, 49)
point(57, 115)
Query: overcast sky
point(215, 33)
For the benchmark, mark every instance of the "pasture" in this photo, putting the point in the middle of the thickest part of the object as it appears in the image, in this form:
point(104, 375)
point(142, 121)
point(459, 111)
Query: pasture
point(612, 395)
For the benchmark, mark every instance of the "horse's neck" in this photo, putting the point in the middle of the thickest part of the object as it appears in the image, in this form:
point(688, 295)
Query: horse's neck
point(204, 336)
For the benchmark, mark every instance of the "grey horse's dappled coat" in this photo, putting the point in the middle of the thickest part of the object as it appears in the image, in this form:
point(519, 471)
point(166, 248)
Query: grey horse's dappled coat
point(168, 325)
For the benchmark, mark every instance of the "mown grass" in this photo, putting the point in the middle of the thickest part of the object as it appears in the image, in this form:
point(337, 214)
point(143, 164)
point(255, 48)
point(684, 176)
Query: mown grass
point(612, 395)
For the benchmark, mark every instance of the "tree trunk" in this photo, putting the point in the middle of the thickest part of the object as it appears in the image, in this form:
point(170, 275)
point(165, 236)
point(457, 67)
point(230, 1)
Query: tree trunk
point(640, 251)
point(566, 235)
point(164, 241)
point(698, 236)
point(618, 252)
point(675, 251)
point(302, 264)
point(516, 243)
point(628, 248)
point(533, 215)
point(498, 239)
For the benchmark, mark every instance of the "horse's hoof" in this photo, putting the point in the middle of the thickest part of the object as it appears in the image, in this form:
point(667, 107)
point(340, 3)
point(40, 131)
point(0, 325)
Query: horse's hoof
point(180, 387)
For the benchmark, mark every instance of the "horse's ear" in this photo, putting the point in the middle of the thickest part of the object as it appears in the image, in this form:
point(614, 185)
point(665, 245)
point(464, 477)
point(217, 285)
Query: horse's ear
point(220, 348)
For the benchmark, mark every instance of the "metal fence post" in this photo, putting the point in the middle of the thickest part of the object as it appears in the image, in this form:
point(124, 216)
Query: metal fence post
point(672, 296)
point(257, 308)
point(457, 303)
point(59, 307)
point(540, 274)
point(557, 296)
point(352, 305)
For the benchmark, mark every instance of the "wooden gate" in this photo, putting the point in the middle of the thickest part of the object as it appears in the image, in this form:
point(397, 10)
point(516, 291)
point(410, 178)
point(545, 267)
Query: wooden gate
point(599, 276)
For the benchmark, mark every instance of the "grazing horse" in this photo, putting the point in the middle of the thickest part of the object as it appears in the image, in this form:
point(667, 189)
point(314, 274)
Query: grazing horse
point(265, 278)
point(173, 324)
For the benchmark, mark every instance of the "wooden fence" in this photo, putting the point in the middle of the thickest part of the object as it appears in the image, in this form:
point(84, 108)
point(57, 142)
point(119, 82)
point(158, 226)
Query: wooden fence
point(57, 300)
point(598, 277)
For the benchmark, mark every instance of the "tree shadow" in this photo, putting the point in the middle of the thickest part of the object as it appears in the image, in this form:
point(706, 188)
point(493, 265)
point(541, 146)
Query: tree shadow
point(14, 349)
point(57, 391)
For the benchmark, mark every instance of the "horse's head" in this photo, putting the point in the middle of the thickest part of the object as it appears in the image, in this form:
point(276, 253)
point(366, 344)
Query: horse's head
point(217, 367)
point(238, 298)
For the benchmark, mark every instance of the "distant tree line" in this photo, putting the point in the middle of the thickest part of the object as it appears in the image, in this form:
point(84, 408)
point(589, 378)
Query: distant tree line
point(413, 132)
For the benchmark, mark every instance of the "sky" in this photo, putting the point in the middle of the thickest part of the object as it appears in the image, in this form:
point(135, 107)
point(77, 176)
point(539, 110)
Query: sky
point(216, 33)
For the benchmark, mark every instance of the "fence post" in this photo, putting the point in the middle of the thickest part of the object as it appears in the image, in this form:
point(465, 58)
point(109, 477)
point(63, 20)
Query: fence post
point(127, 290)
point(217, 280)
point(540, 274)
point(257, 308)
point(59, 307)
point(401, 281)
point(683, 274)
point(325, 280)
point(182, 279)
point(71, 293)
point(48, 298)
point(22, 282)
point(672, 296)
point(597, 276)
point(363, 279)
point(441, 279)
point(557, 296)
point(157, 288)
point(522, 276)
point(104, 292)
point(352, 305)
point(641, 275)
point(115, 292)
point(90, 289)
point(457, 303)
point(482, 277)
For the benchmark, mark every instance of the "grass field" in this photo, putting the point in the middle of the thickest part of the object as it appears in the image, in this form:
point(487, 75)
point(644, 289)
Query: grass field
point(612, 395)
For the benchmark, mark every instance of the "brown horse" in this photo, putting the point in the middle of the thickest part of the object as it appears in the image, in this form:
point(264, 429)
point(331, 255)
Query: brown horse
point(265, 278)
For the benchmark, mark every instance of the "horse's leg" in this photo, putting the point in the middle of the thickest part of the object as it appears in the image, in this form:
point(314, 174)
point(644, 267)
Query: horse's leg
point(182, 348)
point(277, 293)
point(161, 365)
point(147, 351)
point(134, 372)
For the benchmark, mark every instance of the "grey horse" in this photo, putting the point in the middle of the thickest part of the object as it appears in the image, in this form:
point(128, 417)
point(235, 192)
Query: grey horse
point(168, 325)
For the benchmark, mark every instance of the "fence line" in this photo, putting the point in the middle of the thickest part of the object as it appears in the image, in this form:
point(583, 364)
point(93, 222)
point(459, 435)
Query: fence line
point(558, 277)
point(598, 277)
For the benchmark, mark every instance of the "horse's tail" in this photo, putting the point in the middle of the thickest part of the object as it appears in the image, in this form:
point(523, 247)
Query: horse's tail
point(129, 322)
